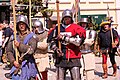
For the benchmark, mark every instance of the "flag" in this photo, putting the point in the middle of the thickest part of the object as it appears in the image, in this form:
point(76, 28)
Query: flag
point(79, 14)
point(77, 0)
point(108, 11)
point(77, 11)
point(73, 10)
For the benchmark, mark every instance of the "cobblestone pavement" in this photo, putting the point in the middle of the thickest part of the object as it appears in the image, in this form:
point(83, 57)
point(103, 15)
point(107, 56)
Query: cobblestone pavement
point(98, 71)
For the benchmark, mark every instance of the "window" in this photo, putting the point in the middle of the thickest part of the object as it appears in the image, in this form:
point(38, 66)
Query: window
point(94, 0)
point(108, 0)
point(59, 0)
point(83, 0)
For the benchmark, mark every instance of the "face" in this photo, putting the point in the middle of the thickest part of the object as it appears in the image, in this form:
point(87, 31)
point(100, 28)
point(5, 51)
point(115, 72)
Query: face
point(67, 20)
point(22, 26)
point(1, 26)
point(36, 29)
point(11, 25)
point(84, 25)
point(106, 27)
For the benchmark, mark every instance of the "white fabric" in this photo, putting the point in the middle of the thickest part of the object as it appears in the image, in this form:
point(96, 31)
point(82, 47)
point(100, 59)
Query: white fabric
point(42, 45)
point(1, 38)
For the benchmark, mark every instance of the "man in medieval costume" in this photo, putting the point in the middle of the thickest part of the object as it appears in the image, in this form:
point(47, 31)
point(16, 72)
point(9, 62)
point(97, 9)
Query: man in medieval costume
point(71, 38)
point(26, 43)
point(108, 45)
point(41, 54)
point(87, 51)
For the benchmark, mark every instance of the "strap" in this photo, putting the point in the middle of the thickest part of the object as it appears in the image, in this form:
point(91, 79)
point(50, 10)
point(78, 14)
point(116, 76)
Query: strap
point(28, 37)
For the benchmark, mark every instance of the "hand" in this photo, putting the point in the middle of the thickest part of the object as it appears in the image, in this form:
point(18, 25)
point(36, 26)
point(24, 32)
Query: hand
point(59, 52)
point(16, 64)
point(114, 45)
point(16, 43)
point(59, 37)
point(3, 46)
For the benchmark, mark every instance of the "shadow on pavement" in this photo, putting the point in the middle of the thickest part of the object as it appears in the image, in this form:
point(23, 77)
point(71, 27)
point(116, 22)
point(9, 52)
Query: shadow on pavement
point(100, 74)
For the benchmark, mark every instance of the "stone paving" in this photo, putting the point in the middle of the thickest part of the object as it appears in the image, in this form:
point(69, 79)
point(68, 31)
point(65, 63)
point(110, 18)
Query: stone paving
point(98, 71)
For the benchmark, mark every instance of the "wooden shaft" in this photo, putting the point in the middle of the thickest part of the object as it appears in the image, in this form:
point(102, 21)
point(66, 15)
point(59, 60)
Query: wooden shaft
point(111, 26)
point(30, 15)
point(14, 17)
point(58, 21)
point(108, 11)
point(76, 12)
point(112, 35)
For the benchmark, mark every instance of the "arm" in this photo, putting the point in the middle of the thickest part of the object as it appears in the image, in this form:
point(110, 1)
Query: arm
point(52, 42)
point(10, 52)
point(5, 41)
point(8, 33)
point(32, 45)
point(78, 39)
point(115, 42)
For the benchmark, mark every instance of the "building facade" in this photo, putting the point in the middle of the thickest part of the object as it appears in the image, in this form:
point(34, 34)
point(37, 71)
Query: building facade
point(99, 9)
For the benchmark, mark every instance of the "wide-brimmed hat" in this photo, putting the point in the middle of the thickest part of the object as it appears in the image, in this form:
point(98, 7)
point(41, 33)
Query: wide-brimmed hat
point(105, 23)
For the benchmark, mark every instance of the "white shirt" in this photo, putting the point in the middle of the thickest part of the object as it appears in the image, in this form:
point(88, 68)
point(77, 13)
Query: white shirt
point(1, 38)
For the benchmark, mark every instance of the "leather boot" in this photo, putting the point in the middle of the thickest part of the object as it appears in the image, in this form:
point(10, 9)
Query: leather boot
point(8, 75)
point(105, 75)
point(114, 70)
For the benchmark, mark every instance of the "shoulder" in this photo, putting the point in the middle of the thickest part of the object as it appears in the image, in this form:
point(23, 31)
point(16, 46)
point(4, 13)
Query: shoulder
point(34, 36)
point(75, 25)
point(114, 30)
point(51, 30)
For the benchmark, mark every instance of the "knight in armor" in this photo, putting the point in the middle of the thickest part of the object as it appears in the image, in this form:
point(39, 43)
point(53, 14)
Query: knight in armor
point(26, 43)
point(71, 38)
point(107, 46)
point(87, 51)
point(41, 54)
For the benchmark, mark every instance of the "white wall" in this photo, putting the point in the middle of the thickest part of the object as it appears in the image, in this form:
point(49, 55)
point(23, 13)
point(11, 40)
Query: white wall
point(118, 15)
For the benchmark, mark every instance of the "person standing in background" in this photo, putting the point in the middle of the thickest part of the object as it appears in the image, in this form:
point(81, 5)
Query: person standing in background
point(41, 54)
point(107, 46)
point(87, 51)
point(7, 33)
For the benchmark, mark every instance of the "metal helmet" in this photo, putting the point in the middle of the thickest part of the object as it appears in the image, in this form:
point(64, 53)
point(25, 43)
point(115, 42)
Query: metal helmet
point(84, 20)
point(38, 24)
point(22, 18)
point(66, 13)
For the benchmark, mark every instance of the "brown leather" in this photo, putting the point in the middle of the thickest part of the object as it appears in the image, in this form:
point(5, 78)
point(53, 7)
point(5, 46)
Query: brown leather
point(105, 75)
point(114, 70)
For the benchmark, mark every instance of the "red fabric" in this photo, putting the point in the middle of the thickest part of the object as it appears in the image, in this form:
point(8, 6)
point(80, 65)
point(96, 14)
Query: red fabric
point(44, 75)
point(117, 39)
point(74, 50)
point(104, 57)
point(51, 29)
